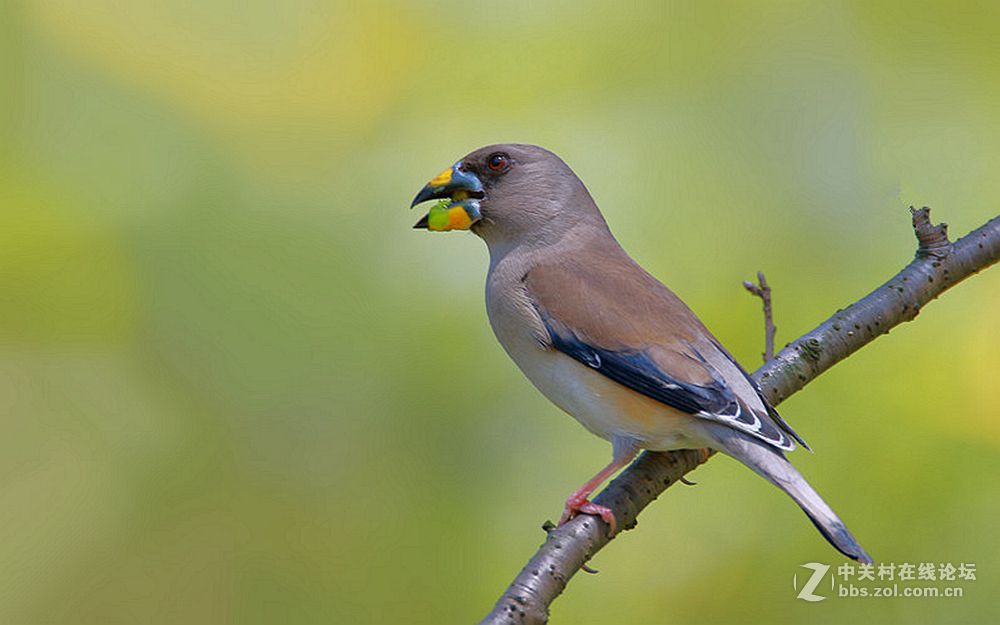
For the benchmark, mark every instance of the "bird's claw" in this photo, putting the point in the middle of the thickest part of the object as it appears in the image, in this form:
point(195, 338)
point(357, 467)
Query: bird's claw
point(576, 506)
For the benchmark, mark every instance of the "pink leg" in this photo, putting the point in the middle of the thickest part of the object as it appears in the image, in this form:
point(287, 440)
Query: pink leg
point(578, 503)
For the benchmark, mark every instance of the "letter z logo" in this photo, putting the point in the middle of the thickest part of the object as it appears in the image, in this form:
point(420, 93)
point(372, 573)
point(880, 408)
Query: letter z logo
point(806, 594)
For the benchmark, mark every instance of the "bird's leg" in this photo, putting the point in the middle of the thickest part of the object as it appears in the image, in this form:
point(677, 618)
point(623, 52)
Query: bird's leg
point(578, 503)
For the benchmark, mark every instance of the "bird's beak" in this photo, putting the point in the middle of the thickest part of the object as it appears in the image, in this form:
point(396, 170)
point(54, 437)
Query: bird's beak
point(459, 192)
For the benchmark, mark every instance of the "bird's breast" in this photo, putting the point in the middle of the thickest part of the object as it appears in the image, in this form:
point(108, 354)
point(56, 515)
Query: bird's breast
point(600, 404)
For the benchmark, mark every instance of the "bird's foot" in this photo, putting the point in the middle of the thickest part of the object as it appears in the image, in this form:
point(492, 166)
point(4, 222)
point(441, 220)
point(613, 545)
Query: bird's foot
point(703, 455)
point(578, 504)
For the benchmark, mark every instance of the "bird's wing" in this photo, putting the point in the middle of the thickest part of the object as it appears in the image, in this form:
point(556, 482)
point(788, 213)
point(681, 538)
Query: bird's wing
point(614, 317)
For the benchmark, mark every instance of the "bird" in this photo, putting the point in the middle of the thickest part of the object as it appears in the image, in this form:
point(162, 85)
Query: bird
point(603, 339)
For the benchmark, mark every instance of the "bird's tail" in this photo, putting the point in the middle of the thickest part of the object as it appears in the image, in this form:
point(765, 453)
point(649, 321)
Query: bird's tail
point(771, 464)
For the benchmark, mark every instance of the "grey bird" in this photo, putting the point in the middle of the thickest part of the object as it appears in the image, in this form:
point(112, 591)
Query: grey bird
point(603, 339)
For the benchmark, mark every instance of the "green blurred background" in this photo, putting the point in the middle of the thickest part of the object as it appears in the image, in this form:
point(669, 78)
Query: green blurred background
point(237, 387)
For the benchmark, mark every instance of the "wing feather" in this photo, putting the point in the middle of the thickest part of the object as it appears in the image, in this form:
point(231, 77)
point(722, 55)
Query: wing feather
point(650, 342)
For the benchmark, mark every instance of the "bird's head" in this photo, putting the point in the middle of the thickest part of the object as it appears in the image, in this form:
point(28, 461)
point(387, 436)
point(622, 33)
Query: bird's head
point(506, 192)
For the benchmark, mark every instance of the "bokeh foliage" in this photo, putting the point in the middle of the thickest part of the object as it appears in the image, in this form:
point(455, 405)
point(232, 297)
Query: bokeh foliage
point(236, 387)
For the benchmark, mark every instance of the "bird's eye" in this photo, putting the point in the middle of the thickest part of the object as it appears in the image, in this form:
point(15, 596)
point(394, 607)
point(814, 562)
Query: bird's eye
point(498, 162)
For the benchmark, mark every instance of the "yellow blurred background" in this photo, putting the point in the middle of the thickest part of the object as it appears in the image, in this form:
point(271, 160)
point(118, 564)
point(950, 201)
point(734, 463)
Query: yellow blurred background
point(236, 387)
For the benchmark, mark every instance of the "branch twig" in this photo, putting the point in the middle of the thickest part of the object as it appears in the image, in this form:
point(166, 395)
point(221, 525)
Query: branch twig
point(938, 266)
point(763, 290)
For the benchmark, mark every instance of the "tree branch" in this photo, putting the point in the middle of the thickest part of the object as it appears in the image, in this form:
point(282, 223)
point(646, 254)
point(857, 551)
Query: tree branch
point(938, 266)
point(763, 290)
